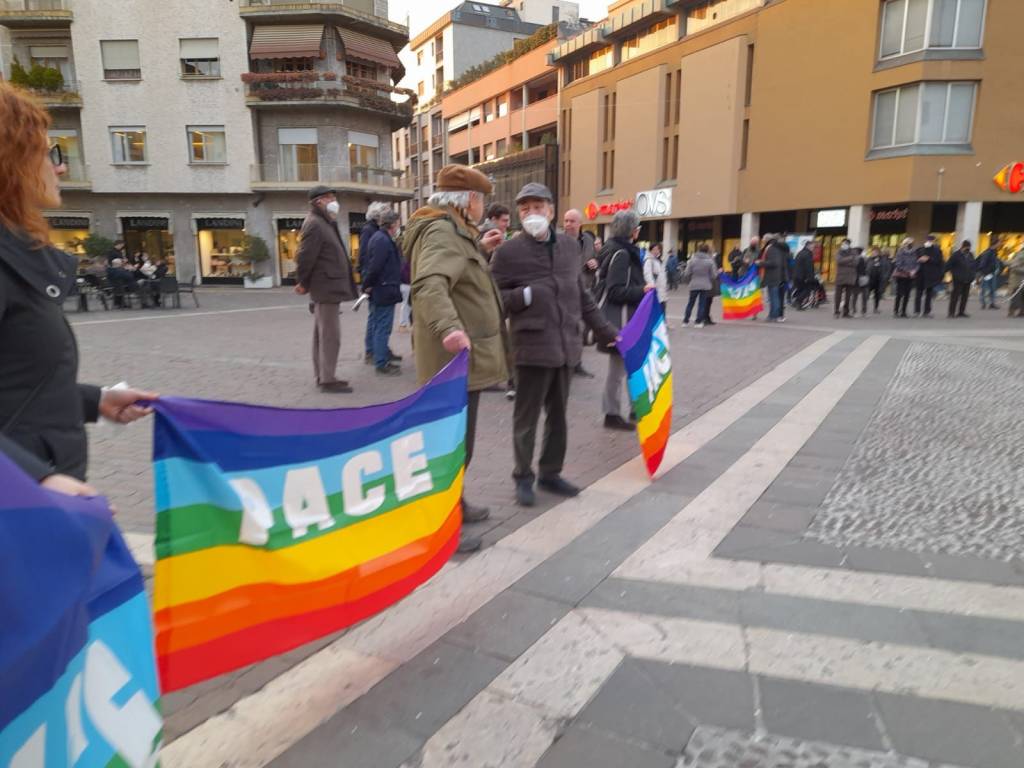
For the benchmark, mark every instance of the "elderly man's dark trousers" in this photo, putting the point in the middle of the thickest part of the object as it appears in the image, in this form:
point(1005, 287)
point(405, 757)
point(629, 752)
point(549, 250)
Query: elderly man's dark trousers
point(539, 389)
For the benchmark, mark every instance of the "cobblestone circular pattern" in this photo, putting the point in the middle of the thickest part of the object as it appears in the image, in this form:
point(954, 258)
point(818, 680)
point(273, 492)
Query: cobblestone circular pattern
point(938, 467)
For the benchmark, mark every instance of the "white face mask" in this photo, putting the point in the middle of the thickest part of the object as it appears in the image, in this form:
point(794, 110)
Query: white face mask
point(333, 207)
point(537, 226)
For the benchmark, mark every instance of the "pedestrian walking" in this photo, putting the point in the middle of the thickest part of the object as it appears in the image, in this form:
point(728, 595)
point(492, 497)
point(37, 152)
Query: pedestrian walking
point(700, 274)
point(716, 288)
point(672, 271)
point(879, 267)
point(656, 274)
point(990, 268)
point(43, 408)
point(775, 264)
point(372, 226)
point(1016, 287)
point(962, 267)
point(572, 224)
point(542, 287)
point(383, 281)
point(456, 303)
point(324, 273)
point(846, 278)
point(803, 275)
point(904, 273)
point(929, 276)
point(622, 277)
point(861, 291)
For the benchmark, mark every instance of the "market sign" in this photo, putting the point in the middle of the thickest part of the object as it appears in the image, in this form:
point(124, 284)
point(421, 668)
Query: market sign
point(655, 203)
point(1011, 178)
point(593, 210)
point(890, 214)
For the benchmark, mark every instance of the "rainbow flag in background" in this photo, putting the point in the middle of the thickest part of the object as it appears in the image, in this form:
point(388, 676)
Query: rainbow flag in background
point(644, 347)
point(741, 298)
point(78, 682)
point(277, 526)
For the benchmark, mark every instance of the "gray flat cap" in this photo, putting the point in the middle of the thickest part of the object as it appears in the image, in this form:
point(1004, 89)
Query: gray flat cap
point(320, 191)
point(534, 190)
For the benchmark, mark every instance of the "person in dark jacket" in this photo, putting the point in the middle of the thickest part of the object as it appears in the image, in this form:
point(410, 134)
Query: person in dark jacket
point(775, 263)
point(846, 278)
point(622, 271)
point(372, 226)
point(43, 408)
point(904, 271)
point(803, 274)
point(542, 288)
point(963, 269)
point(383, 281)
point(929, 275)
point(990, 267)
point(736, 263)
point(324, 273)
point(879, 268)
point(861, 291)
point(572, 223)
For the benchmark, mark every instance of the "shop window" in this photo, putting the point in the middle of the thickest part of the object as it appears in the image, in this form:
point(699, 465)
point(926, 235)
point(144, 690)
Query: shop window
point(288, 231)
point(221, 249)
point(200, 57)
point(120, 59)
point(924, 115)
point(207, 144)
point(68, 234)
point(915, 25)
point(128, 145)
point(149, 236)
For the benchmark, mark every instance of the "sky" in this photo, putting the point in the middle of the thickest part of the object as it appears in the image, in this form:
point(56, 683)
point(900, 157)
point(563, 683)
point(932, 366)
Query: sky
point(423, 12)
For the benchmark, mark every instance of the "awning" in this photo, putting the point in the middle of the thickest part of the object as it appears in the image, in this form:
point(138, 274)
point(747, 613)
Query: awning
point(287, 41)
point(370, 49)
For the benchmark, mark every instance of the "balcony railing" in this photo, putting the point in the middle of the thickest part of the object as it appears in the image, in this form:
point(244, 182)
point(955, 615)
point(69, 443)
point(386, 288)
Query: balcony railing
point(35, 5)
point(298, 9)
point(67, 94)
point(302, 175)
point(16, 13)
point(324, 87)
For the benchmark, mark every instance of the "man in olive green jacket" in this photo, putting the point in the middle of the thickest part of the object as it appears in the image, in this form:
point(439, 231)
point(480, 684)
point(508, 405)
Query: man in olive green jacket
point(455, 303)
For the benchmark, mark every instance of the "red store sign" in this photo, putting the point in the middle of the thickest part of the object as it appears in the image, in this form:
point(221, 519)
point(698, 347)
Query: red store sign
point(1011, 178)
point(593, 210)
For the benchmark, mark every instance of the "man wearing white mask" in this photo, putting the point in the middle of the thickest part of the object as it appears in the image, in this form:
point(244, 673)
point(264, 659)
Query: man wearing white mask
point(324, 273)
point(539, 275)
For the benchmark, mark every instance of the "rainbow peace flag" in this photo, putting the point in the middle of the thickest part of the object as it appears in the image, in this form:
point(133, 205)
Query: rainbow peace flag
point(644, 347)
point(741, 298)
point(78, 681)
point(277, 526)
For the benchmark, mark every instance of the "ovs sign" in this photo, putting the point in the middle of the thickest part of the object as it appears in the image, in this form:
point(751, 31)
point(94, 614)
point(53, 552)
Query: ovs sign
point(655, 203)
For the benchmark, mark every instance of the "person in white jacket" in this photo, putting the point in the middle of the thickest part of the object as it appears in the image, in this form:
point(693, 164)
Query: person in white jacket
point(654, 274)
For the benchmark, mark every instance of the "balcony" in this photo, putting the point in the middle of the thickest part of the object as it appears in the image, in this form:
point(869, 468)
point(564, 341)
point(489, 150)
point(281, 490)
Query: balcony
point(356, 14)
point(290, 89)
point(66, 96)
point(637, 17)
point(17, 14)
point(381, 182)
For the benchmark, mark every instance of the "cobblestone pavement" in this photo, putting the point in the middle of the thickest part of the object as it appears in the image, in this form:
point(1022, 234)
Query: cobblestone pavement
point(697, 620)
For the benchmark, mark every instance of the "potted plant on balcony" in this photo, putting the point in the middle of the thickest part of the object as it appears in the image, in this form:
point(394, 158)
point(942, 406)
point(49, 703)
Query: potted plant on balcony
point(256, 252)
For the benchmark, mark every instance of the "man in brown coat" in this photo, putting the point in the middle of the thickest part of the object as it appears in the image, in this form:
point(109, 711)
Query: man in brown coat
point(454, 300)
point(538, 273)
point(324, 273)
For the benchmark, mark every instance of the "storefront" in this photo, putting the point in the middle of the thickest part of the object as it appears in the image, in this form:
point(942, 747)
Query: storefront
point(944, 226)
point(151, 236)
point(889, 226)
point(732, 229)
point(356, 222)
point(220, 246)
point(830, 229)
point(288, 228)
point(1005, 221)
point(68, 233)
point(697, 232)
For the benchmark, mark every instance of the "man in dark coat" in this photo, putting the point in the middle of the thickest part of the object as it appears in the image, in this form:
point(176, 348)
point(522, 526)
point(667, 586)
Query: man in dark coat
point(572, 223)
point(775, 263)
point(539, 275)
point(803, 274)
point(929, 275)
point(989, 269)
point(962, 268)
point(324, 273)
point(383, 281)
point(372, 226)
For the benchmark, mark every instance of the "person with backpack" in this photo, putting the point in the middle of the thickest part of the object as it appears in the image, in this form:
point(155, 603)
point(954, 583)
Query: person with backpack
point(990, 267)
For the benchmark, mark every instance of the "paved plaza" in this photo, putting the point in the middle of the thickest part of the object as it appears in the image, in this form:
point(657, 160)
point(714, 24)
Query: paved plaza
point(828, 571)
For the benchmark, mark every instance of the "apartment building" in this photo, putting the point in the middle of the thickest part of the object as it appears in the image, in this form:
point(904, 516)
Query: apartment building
point(872, 119)
point(545, 11)
point(190, 124)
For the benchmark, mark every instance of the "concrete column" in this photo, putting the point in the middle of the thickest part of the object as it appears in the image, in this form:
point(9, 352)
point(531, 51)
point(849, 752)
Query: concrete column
point(670, 236)
point(858, 225)
point(968, 224)
point(523, 115)
point(750, 227)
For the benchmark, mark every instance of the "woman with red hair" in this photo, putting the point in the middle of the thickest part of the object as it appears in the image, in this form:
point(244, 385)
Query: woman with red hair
point(43, 409)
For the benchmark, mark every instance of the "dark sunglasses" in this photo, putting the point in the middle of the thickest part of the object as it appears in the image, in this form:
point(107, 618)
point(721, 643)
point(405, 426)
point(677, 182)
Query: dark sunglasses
point(56, 155)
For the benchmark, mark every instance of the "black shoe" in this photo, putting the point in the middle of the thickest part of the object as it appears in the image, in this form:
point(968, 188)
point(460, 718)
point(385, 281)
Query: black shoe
point(524, 492)
point(927, 315)
point(964, 315)
point(579, 370)
point(994, 306)
point(394, 358)
point(468, 543)
point(471, 513)
point(368, 358)
point(619, 423)
point(558, 485)
point(336, 386)
point(390, 370)
point(709, 321)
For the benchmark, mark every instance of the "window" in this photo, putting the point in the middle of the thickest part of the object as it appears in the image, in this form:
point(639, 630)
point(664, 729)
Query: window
point(601, 60)
point(488, 152)
point(299, 156)
point(439, 49)
point(439, 79)
point(419, 58)
point(120, 59)
point(679, 95)
point(655, 36)
point(362, 154)
point(924, 114)
point(614, 99)
point(358, 69)
point(667, 100)
point(750, 74)
point(129, 145)
point(419, 89)
point(207, 144)
point(68, 142)
point(488, 111)
point(501, 147)
point(425, 172)
point(607, 117)
point(54, 57)
point(502, 106)
point(200, 57)
point(913, 25)
point(745, 146)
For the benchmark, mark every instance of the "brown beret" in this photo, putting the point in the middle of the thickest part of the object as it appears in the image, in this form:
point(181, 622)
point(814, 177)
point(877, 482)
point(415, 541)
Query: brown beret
point(462, 178)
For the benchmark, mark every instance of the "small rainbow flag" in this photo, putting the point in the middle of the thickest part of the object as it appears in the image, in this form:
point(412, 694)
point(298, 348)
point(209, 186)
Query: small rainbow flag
point(276, 526)
point(741, 298)
point(644, 347)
